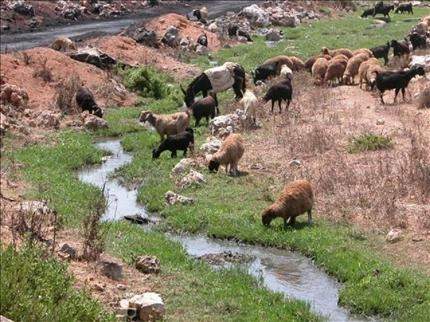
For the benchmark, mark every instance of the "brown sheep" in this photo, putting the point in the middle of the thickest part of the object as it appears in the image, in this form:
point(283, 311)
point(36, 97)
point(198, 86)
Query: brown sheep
point(365, 51)
point(229, 154)
point(372, 73)
point(426, 20)
point(63, 44)
point(278, 61)
point(335, 52)
point(319, 69)
point(296, 199)
point(335, 70)
point(362, 70)
point(311, 61)
point(352, 68)
point(166, 124)
point(298, 64)
point(424, 98)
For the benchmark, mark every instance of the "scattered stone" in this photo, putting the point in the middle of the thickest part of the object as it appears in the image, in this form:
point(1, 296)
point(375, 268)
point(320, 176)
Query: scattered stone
point(14, 95)
point(111, 269)
point(148, 264)
point(380, 122)
point(67, 252)
point(94, 57)
point(193, 177)
point(394, 235)
point(171, 37)
point(4, 27)
point(224, 124)
point(226, 257)
point(23, 8)
point(63, 44)
point(149, 306)
point(183, 165)
point(174, 198)
point(146, 37)
point(93, 122)
point(48, 119)
point(257, 15)
point(202, 50)
point(4, 124)
point(295, 163)
point(211, 146)
point(242, 39)
point(213, 27)
point(98, 286)
point(121, 287)
point(273, 35)
point(417, 238)
point(138, 219)
point(4, 319)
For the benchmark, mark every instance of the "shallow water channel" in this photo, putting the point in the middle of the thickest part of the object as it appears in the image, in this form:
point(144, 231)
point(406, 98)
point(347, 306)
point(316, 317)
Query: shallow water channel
point(280, 270)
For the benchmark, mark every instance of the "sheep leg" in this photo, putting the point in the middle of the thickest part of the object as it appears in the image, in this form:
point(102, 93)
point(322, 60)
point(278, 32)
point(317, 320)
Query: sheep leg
point(237, 87)
point(403, 94)
point(280, 106)
point(173, 154)
point(395, 96)
point(310, 217)
point(381, 94)
point(288, 104)
point(385, 60)
point(285, 223)
point(185, 152)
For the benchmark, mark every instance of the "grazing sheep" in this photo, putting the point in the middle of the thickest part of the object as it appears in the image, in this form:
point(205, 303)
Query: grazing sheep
point(311, 61)
point(296, 199)
point(86, 102)
point(362, 70)
point(426, 20)
point(424, 98)
point(203, 40)
point(166, 124)
point(271, 67)
point(335, 52)
point(404, 7)
point(319, 69)
point(228, 155)
point(286, 72)
point(383, 9)
point(281, 91)
point(207, 108)
point(250, 104)
point(352, 68)
point(335, 70)
point(365, 51)
point(418, 41)
point(63, 44)
point(175, 142)
point(368, 12)
point(372, 73)
point(298, 64)
point(397, 80)
point(400, 48)
point(381, 52)
point(422, 28)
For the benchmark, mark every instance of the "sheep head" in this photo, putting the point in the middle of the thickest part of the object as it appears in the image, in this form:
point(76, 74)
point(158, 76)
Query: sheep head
point(155, 154)
point(146, 116)
point(213, 165)
point(267, 216)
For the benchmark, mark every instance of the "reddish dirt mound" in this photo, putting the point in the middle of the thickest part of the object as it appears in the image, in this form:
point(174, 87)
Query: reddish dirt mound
point(187, 28)
point(16, 71)
point(130, 52)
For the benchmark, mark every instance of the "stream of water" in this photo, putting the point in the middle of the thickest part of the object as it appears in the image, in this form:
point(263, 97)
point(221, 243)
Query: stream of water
point(280, 270)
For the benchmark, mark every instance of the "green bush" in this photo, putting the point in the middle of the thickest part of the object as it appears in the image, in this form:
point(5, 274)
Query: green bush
point(148, 81)
point(36, 287)
point(369, 142)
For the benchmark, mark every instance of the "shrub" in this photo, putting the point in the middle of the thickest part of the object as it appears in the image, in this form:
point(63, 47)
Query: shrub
point(369, 142)
point(148, 81)
point(43, 71)
point(65, 94)
point(36, 287)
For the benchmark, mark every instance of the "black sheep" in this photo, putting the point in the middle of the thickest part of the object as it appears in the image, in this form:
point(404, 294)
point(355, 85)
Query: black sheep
point(243, 33)
point(172, 143)
point(400, 48)
point(381, 52)
point(404, 7)
point(383, 9)
point(206, 107)
point(86, 102)
point(263, 72)
point(281, 91)
point(418, 41)
point(367, 12)
point(397, 80)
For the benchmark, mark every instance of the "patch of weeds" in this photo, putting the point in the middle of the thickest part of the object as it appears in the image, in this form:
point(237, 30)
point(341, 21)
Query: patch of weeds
point(369, 142)
point(36, 287)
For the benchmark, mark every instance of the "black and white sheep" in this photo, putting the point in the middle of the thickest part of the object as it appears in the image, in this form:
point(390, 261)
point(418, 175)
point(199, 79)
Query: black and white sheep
point(173, 143)
point(85, 100)
point(381, 52)
point(281, 91)
point(397, 80)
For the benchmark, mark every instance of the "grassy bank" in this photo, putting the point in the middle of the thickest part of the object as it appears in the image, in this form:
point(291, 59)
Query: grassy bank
point(36, 287)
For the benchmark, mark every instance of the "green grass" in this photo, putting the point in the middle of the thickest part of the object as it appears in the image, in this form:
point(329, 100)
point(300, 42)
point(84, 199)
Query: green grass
point(36, 287)
point(306, 40)
point(369, 142)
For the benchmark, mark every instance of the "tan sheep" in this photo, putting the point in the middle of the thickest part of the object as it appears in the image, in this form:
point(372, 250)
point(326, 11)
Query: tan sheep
point(352, 68)
point(335, 52)
point(426, 20)
point(319, 69)
point(286, 72)
point(362, 70)
point(365, 51)
point(298, 64)
point(166, 124)
point(228, 155)
point(63, 44)
point(335, 70)
point(278, 61)
point(296, 199)
point(372, 73)
point(311, 61)
point(424, 98)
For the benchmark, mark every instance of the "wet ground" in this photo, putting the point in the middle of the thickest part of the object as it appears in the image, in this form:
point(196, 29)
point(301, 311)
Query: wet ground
point(280, 270)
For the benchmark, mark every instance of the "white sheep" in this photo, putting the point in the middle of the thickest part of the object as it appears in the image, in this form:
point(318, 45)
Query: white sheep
point(250, 104)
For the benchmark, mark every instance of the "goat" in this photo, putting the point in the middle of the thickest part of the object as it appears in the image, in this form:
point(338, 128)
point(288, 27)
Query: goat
point(229, 154)
point(397, 80)
point(250, 104)
point(367, 12)
point(418, 41)
point(85, 100)
point(203, 40)
point(172, 143)
point(404, 7)
point(206, 107)
point(383, 9)
point(166, 124)
point(382, 52)
point(281, 91)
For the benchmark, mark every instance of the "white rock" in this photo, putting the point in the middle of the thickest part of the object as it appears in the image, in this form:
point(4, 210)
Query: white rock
point(211, 146)
point(48, 119)
point(149, 306)
point(201, 50)
point(213, 27)
point(257, 15)
point(93, 122)
point(183, 165)
point(193, 177)
point(273, 35)
point(394, 235)
point(173, 198)
point(380, 122)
